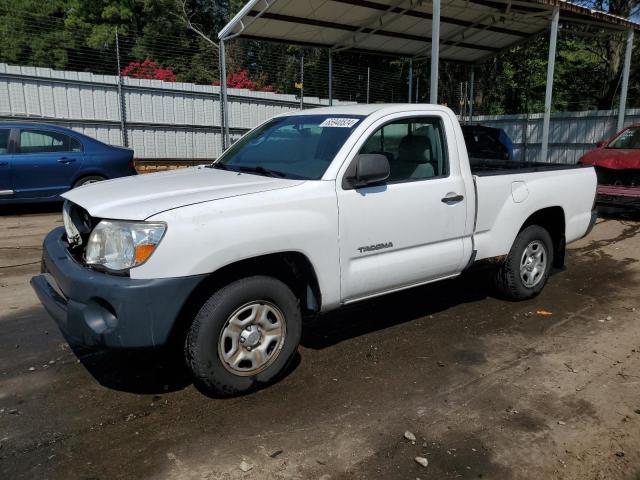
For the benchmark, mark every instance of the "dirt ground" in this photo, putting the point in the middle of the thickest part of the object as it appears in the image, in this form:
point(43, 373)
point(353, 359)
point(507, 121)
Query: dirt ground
point(547, 388)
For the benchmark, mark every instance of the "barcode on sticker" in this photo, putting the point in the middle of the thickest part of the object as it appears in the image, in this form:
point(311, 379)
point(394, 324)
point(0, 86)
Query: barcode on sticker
point(339, 122)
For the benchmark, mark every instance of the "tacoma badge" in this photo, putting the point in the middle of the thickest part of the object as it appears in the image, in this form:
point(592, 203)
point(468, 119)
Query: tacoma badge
point(379, 246)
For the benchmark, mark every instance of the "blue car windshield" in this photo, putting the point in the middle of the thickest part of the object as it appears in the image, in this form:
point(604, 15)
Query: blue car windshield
point(296, 147)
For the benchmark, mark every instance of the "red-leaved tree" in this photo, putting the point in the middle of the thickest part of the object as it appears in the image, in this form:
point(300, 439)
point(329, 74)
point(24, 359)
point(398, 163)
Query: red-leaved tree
point(240, 79)
point(148, 70)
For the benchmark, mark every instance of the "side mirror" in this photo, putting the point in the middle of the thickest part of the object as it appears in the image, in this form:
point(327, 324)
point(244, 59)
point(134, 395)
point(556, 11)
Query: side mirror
point(367, 169)
point(601, 144)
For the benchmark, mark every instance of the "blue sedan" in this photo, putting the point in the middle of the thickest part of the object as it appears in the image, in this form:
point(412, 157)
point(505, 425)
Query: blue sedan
point(38, 162)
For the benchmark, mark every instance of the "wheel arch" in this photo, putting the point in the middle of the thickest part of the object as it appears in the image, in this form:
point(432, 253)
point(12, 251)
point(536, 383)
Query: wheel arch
point(292, 268)
point(88, 173)
point(553, 220)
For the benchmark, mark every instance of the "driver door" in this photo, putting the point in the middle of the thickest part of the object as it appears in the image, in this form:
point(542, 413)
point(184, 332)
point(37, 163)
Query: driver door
point(403, 232)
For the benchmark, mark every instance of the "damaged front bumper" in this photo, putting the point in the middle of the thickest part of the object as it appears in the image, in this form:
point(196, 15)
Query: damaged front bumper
point(98, 309)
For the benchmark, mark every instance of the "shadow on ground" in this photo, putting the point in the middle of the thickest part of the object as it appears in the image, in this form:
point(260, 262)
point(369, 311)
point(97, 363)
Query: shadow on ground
point(390, 310)
point(136, 371)
point(619, 213)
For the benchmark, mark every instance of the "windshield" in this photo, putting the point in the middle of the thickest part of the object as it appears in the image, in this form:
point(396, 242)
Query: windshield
point(298, 146)
point(630, 139)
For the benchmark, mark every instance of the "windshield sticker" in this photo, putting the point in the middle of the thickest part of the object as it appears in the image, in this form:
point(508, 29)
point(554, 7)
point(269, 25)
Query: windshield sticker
point(340, 122)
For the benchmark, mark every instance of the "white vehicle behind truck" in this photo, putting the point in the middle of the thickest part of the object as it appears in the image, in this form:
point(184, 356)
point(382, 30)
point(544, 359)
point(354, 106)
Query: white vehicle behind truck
point(308, 212)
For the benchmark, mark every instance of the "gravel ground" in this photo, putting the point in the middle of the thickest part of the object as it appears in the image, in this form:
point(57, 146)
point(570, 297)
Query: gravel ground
point(547, 388)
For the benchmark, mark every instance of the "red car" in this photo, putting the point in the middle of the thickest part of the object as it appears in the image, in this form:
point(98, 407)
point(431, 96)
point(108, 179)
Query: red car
point(617, 164)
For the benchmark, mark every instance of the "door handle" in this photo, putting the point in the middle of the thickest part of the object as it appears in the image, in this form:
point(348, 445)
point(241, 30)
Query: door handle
point(66, 160)
point(452, 199)
point(4, 164)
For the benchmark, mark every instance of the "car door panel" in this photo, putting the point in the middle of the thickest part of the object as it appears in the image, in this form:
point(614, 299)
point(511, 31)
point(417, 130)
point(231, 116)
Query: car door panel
point(45, 164)
point(406, 231)
point(410, 236)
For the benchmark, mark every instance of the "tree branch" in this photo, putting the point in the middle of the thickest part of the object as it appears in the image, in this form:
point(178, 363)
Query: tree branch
point(185, 17)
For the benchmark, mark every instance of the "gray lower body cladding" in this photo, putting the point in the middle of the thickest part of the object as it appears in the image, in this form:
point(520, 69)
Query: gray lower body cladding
point(98, 309)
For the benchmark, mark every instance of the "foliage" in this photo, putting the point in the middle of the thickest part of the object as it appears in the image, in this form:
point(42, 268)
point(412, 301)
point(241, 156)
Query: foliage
point(240, 79)
point(24, 45)
point(149, 70)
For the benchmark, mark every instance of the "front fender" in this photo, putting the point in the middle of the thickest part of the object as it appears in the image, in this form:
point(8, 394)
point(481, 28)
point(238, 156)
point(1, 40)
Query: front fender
point(206, 237)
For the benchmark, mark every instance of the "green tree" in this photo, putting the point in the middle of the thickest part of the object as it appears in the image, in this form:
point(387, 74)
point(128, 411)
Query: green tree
point(24, 42)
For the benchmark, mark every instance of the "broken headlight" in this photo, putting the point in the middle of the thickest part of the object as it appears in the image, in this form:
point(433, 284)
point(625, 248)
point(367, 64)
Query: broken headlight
point(120, 245)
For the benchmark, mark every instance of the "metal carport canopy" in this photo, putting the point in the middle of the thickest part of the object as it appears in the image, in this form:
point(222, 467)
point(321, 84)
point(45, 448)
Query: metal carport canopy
point(470, 30)
point(467, 31)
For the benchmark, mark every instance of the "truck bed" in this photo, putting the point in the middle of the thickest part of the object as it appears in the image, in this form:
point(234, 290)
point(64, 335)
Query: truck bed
point(508, 192)
point(484, 167)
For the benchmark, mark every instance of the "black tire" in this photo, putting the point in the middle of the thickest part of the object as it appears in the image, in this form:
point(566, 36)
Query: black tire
point(201, 344)
point(87, 180)
point(508, 279)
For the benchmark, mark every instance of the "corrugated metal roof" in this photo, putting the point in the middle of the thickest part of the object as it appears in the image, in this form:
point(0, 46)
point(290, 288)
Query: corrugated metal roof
point(470, 30)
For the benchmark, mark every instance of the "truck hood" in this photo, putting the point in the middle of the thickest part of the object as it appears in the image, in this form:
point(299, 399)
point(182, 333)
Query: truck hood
point(140, 196)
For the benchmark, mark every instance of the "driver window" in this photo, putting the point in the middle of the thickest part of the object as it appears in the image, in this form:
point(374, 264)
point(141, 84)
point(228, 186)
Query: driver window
point(629, 139)
point(415, 148)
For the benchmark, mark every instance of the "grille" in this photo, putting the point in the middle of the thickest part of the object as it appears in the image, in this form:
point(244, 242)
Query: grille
point(627, 178)
point(77, 224)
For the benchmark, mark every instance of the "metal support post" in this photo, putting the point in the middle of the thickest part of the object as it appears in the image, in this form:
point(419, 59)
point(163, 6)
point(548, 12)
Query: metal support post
point(410, 95)
point(553, 38)
point(330, 77)
point(301, 82)
point(472, 80)
point(224, 115)
point(368, 82)
point(124, 138)
point(435, 51)
point(625, 80)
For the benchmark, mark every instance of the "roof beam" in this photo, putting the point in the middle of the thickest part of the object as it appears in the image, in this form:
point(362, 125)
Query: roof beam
point(570, 12)
point(389, 15)
point(428, 16)
point(504, 6)
point(462, 34)
point(227, 31)
point(353, 28)
point(377, 53)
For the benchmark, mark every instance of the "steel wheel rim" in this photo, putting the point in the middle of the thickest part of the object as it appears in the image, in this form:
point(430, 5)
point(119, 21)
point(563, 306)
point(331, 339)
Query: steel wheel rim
point(89, 182)
point(533, 264)
point(252, 338)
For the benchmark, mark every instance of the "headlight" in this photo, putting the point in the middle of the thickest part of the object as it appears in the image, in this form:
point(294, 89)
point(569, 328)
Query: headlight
point(118, 245)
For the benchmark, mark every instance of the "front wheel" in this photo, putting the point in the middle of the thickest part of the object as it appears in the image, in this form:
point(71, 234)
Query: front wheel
point(244, 336)
point(525, 271)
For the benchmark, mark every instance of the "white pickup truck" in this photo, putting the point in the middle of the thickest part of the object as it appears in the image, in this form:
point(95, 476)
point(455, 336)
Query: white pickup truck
point(307, 212)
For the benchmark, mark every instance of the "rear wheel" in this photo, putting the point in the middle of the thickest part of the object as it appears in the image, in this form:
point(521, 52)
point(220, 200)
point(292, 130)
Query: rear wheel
point(525, 271)
point(244, 336)
point(88, 180)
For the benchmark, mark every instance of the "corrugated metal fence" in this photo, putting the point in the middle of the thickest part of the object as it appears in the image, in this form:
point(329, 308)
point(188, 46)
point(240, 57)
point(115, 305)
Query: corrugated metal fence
point(571, 134)
point(162, 119)
point(182, 120)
